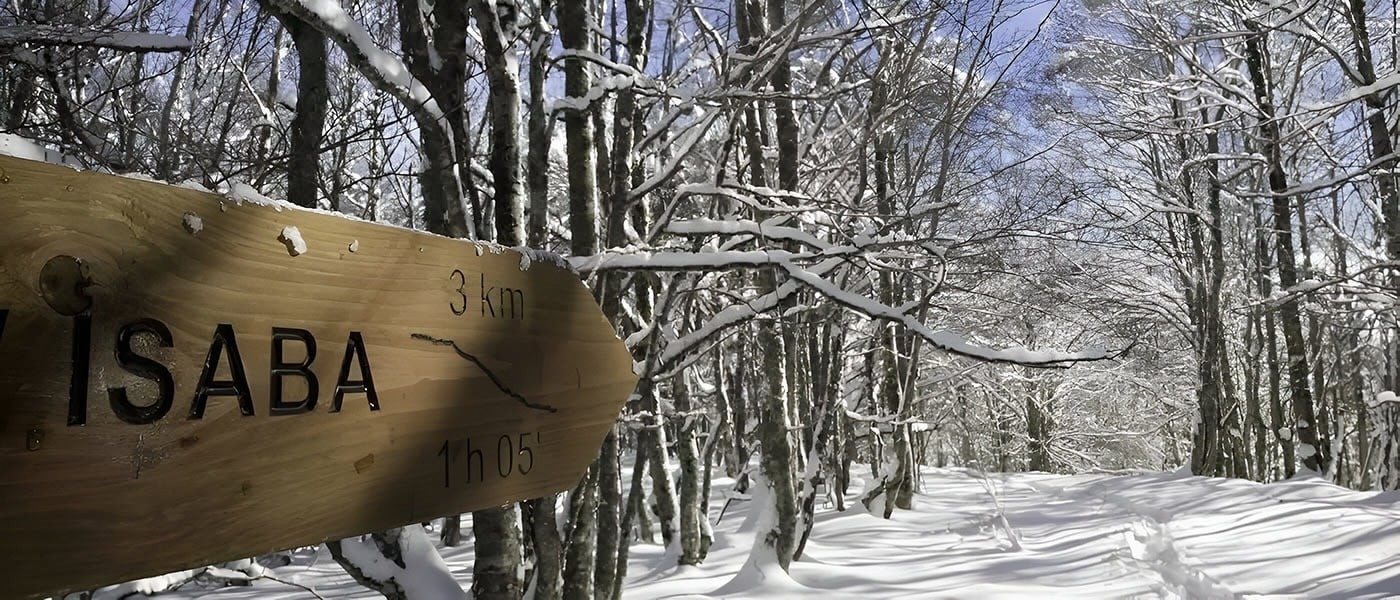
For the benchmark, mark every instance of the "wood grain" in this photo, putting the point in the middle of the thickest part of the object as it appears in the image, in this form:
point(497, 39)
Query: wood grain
point(475, 410)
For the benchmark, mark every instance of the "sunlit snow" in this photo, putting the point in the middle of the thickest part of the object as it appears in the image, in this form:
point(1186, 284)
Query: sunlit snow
point(1152, 535)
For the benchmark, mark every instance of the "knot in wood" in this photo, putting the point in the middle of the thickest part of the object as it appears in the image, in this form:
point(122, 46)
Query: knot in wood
point(63, 283)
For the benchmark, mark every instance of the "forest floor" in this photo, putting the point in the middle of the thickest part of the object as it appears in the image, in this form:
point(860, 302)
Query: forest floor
point(1026, 535)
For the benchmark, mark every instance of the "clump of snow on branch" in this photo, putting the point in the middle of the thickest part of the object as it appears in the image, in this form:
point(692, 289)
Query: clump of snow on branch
point(529, 256)
point(240, 192)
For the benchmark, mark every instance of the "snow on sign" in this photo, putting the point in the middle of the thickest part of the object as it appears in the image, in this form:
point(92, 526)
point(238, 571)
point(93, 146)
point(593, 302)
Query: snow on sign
point(187, 378)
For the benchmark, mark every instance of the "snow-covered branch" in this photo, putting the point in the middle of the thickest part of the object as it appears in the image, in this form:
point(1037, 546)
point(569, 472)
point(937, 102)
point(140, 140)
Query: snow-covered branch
point(71, 35)
point(386, 71)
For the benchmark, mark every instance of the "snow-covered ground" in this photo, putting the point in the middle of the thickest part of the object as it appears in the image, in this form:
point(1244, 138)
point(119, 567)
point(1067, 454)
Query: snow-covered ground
point(1160, 535)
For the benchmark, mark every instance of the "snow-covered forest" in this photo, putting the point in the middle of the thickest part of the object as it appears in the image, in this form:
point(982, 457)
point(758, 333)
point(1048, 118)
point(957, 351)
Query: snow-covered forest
point(857, 250)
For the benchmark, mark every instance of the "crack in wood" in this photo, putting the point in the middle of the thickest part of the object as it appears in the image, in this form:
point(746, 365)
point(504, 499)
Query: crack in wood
point(500, 385)
point(142, 456)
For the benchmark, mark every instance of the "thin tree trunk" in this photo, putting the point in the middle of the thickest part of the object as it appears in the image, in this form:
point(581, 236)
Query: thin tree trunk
point(694, 545)
point(574, 33)
point(635, 511)
point(776, 459)
point(825, 414)
point(446, 174)
point(1314, 452)
point(579, 556)
point(615, 179)
point(1383, 173)
point(653, 436)
point(496, 572)
point(1280, 432)
point(498, 29)
point(609, 515)
point(537, 165)
point(313, 97)
point(166, 156)
point(548, 582)
point(452, 531)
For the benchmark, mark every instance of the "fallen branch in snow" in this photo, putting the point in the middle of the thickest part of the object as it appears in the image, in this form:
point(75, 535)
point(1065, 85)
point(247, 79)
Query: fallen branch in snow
point(1000, 515)
point(232, 575)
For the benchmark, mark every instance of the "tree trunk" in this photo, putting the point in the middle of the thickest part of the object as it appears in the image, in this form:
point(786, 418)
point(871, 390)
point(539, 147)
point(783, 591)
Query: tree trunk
point(579, 556)
point(574, 32)
point(496, 572)
point(1037, 432)
point(1385, 423)
point(313, 96)
point(548, 581)
point(635, 511)
point(653, 436)
point(776, 460)
point(452, 531)
point(1314, 452)
point(166, 156)
point(537, 166)
point(1280, 433)
point(442, 204)
point(694, 544)
point(446, 175)
point(609, 515)
point(829, 404)
point(497, 23)
point(894, 488)
point(1383, 173)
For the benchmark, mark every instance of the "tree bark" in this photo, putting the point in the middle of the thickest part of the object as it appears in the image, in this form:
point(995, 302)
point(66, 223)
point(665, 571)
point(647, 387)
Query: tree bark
point(548, 583)
point(497, 23)
point(694, 544)
point(308, 126)
point(609, 515)
point(496, 572)
point(653, 436)
point(579, 557)
point(574, 33)
point(537, 165)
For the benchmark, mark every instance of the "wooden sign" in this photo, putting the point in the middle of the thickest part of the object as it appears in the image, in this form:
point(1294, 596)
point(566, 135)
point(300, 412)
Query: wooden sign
point(187, 378)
